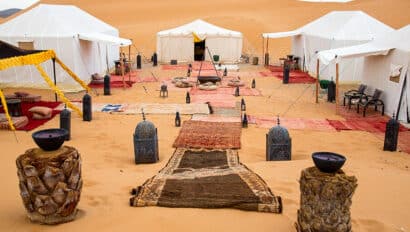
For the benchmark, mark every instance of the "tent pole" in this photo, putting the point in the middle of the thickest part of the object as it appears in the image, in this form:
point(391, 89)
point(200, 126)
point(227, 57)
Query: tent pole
point(337, 88)
point(122, 68)
point(263, 49)
point(267, 48)
point(54, 75)
point(317, 81)
point(129, 60)
point(401, 96)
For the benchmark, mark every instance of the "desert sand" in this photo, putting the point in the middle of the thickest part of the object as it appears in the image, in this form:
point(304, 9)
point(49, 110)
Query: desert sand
point(380, 202)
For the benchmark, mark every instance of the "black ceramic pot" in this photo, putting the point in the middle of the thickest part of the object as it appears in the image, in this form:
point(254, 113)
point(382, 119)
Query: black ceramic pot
point(50, 139)
point(328, 161)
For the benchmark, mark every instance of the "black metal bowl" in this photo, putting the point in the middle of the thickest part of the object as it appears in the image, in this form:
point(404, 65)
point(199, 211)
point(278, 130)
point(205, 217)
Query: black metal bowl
point(328, 161)
point(50, 139)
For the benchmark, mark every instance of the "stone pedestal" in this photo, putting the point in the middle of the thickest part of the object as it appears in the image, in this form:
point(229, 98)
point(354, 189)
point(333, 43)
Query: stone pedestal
point(325, 201)
point(50, 184)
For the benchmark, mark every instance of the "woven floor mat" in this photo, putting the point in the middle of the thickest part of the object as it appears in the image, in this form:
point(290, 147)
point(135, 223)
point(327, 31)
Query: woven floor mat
point(210, 135)
point(207, 179)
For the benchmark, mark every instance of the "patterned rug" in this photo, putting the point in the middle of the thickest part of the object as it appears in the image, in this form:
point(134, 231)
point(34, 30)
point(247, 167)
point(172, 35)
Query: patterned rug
point(207, 179)
point(243, 91)
point(215, 118)
point(291, 123)
point(209, 135)
point(215, 100)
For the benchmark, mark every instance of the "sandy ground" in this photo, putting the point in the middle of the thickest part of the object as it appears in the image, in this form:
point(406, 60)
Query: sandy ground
point(381, 200)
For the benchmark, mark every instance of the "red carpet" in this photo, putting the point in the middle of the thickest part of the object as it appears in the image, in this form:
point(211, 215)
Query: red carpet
point(174, 67)
point(373, 125)
point(113, 84)
point(34, 123)
point(295, 76)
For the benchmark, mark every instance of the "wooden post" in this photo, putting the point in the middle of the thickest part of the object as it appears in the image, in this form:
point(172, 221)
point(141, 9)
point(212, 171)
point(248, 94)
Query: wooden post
point(122, 68)
point(317, 81)
point(129, 63)
point(263, 49)
point(337, 87)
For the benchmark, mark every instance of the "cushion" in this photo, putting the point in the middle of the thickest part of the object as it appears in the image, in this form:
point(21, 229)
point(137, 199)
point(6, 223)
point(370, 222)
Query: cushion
point(40, 116)
point(41, 110)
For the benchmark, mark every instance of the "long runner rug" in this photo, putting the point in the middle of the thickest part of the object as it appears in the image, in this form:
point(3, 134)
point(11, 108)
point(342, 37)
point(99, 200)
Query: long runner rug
point(209, 135)
point(207, 179)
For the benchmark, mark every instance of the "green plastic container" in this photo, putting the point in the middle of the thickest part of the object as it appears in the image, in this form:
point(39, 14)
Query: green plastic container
point(216, 58)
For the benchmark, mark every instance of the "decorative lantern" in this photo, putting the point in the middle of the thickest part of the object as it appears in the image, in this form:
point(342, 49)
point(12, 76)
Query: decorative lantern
point(138, 61)
point(237, 91)
point(177, 120)
point(164, 91)
point(146, 142)
point(155, 59)
point(187, 98)
point(278, 144)
point(87, 107)
point(65, 121)
point(391, 135)
point(245, 121)
point(107, 85)
point(253, 83)
point(225, 72)
point(243, 105)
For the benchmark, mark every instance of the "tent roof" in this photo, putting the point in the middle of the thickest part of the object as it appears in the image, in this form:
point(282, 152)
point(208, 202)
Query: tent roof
point(53, 21)
point(105, 38)
point(380, 46)
point(201, 28)
point(8, 51)
point(342, 25)
point(20, 4)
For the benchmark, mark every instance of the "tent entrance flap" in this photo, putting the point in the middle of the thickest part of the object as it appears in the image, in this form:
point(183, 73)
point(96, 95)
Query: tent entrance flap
point(199, 50)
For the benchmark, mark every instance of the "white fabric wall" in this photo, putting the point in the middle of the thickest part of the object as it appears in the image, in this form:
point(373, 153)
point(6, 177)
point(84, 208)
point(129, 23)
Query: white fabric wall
point(181, 48)
point(375, 74)
point(229, 49)
point(307, 46)
point(82, 57)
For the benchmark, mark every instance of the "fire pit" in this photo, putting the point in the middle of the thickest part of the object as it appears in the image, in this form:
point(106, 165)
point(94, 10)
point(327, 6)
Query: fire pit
point(328, 161)
point(50, 139)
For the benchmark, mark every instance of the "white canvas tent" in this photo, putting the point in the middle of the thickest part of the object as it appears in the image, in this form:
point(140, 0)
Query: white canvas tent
point(82, 42)
point(178, 43)
point(384, 57)
point(333, 30)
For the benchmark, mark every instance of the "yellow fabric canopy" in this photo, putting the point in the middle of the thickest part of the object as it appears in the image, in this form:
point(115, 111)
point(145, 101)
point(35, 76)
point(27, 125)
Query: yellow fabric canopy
point(196, 37)
point(36, 59)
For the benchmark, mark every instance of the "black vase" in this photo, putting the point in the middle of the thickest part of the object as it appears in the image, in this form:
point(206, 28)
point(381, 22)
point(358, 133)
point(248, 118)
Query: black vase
point(87, 107)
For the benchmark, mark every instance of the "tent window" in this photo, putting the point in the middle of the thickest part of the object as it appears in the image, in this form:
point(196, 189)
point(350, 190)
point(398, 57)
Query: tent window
point(27, 45)
point(199, 50)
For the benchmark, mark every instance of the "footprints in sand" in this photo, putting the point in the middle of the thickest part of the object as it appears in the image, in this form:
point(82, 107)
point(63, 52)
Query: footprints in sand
point(370, 225)
point(95, 201)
